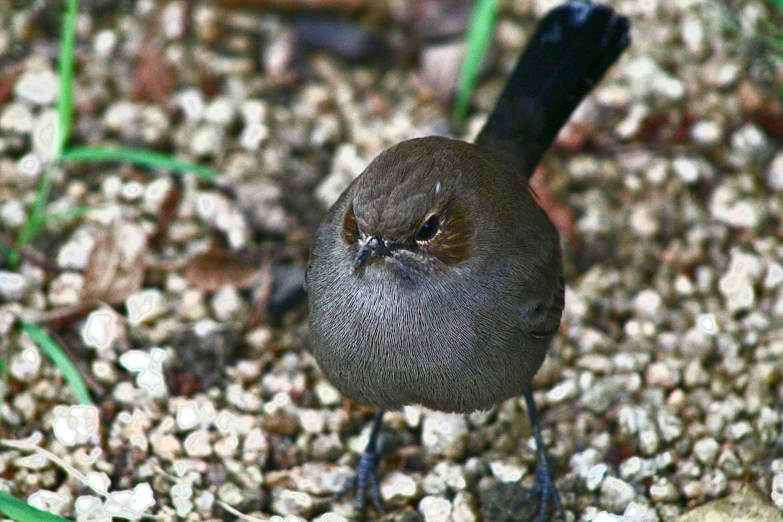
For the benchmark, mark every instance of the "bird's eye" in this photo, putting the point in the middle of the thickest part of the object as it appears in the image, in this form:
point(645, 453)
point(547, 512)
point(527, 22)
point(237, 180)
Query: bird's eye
point(428, 229)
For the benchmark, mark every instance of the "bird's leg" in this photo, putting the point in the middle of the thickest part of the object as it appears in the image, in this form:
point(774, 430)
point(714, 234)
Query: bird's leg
point(366, 471)
point(544, 488)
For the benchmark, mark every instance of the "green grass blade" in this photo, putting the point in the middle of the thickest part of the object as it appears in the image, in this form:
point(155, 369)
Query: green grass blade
point(480, 33)
point(37, 216)
point(21, 511)
point(65, 70)
point(141, 157)
point(71, 213)
point(60, 360)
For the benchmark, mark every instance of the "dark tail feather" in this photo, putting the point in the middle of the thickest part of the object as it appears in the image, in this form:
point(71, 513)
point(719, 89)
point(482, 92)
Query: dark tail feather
point(572, 48)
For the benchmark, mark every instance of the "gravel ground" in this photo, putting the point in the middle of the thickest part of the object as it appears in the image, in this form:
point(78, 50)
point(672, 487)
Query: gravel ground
point(180, 300)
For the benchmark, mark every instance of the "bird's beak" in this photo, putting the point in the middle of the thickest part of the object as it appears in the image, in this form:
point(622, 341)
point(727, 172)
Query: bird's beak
point(368, 246)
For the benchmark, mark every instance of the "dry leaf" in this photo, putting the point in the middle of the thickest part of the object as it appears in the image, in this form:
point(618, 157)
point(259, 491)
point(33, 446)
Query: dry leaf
point(216, 267)
point(261, 297)
point(116, 267)
point(153, 79)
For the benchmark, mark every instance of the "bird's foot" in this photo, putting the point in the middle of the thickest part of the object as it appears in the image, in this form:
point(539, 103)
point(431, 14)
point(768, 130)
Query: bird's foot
point(545, 490)
point(366, 476)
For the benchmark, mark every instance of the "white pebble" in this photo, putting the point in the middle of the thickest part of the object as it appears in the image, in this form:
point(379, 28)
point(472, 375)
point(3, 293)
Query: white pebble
point(65, 289)
point(616, 494)
point(398, 485)
point(227, 303)
point(207, 140)
point(443, 433)
point(146, 306)
point(435, 509)
point(102, 330)
point(12, 286)
point(17, 117)
point(648, 303)
point(26, 364)
point(707, 132)
point(191, 101)
point(38, 87)
point(775, 173)
point(687, 169)
point(104, 43)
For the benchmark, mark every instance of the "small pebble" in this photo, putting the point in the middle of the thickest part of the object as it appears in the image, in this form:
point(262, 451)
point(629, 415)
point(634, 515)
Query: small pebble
point(616, 494)
point(398, 485)
point(444, 433)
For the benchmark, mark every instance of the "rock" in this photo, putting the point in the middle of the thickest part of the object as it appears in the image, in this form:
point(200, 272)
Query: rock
point(647, 303)
point(661, 374)
point(256, 446)
point(646, 77)
point(145, 306)
point(230, 493)
point(38, 87)
point(66, 289)
point(750, 143)
point(220, 111)
point(166, 447)
point(13, 215)
point(663, 490)
point(616, 494)
point(103, 330)
point(687, 169)
point(777, 490)
point(18, 118)
point(253, 135)
point(260, 200)
point(606, 390)
point(227, 303)
point(775, 173)
point(12, 286)
point(326, 393)
point(441, 64)
point(330, 516)
point(706, 132)
point(636, 469)
point(506, 471)
point(290, 502)
point(346, 166)
point(191, 101)
point(435, 509)
point(747, 505)
point(207, 140)
point(26, 365)
point(706, 451)
point(464, 508)
point(398, 485)
point(197, 444)
point(443, 434)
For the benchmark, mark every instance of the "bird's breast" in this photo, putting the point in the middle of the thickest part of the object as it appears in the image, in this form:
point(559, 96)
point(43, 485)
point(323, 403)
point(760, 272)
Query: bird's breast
point(388, 341)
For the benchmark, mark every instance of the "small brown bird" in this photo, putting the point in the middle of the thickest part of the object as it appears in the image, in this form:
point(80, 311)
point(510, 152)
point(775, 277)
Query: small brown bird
point(436, 279)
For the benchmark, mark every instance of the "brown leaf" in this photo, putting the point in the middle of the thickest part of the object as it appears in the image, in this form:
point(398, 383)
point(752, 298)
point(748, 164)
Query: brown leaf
point(153, 80)
point(117, 266)
point(216, 267)
point(261, 297)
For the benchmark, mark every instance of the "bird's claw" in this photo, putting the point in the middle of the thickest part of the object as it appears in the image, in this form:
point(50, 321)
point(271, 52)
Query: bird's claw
point(366, 475)
point(546, 491)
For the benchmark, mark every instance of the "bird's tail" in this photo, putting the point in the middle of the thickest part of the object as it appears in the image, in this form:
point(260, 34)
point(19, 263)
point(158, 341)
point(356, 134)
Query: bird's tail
point(572, 48)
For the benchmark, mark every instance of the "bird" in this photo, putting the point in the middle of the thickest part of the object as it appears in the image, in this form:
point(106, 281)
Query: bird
point(436, 279)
